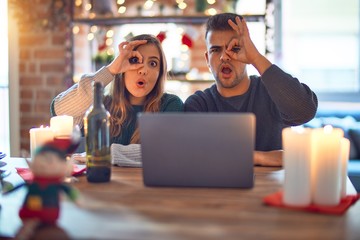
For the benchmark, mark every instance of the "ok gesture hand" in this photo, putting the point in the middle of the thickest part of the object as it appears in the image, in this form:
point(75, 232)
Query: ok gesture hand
point(128, 58)
point(243, 49)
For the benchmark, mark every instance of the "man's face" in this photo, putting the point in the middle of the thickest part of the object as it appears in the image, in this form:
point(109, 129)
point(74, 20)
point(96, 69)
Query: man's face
point(228, 73)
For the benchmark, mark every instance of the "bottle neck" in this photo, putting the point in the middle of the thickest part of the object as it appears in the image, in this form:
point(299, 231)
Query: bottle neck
point(98, 95)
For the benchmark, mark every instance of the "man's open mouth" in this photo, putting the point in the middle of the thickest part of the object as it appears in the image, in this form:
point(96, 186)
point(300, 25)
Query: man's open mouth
point(226, 70)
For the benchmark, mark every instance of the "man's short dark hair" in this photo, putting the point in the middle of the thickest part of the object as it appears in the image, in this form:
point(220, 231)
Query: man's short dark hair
point(219, 22)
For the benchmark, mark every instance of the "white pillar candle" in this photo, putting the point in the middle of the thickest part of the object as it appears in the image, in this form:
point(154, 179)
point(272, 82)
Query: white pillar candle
point(345, 152)
point(38, 136)
point(62, 125)
point(297, 165)
point(327, 165)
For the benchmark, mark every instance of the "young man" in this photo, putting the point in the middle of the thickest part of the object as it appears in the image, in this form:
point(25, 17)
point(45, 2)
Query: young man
point(277, 99)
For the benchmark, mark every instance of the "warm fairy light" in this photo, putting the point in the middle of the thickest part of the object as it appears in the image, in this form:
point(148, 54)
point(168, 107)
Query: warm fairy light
point(122, 9)
point(78, 3)
point(93, 29)
point(110, 51)
point(211, 2)
point(109, 42)
point(88, 7)
point(148, 4)
point(120, 2)
point(92, 15)
point(211, 11)
point(182, 5)
point(328, 129)
point(90, 36)
point(110, 33)
point(76, 29)
point(179, 1)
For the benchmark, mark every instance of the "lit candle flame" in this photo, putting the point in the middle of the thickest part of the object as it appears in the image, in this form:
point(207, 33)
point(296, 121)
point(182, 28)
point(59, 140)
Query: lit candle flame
point(328, 129)
point(298, 129)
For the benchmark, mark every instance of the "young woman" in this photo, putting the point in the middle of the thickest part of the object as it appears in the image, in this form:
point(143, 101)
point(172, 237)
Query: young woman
point(138, 73)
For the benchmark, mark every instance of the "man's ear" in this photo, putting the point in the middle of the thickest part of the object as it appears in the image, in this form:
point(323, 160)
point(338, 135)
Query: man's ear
point(207, 59)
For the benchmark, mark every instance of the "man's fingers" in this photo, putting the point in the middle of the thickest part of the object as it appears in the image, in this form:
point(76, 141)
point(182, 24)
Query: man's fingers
point(233, 25)
point(245, 29)
point(240, 24)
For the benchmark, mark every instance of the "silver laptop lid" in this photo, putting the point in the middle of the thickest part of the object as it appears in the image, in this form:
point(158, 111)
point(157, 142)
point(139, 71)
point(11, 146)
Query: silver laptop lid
point(197, 149)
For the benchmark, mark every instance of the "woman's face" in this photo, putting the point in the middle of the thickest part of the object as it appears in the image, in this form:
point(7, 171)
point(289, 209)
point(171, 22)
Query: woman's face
point(140, 82)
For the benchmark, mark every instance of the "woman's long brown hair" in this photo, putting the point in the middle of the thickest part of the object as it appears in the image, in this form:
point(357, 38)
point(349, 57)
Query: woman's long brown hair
point(118, 102)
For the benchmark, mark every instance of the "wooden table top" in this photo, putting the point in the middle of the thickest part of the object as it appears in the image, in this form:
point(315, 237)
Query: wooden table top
point(126, 209)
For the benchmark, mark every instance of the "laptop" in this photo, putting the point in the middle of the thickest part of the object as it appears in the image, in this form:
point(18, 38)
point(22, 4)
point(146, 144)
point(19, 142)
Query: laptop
point(197, 149)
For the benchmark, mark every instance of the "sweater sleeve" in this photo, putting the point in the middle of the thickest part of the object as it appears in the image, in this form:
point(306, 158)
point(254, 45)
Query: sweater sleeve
point(76, 100)
point(295, 101)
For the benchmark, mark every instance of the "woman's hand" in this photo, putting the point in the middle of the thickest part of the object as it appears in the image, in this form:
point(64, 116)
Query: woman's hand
point(128, 58)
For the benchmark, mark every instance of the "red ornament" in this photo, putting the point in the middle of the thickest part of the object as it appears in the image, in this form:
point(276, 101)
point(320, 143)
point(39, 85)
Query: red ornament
point(161, 36)
point(102, 46)
point(186, 40)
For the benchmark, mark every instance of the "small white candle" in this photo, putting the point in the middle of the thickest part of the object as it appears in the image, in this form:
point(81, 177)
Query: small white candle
point(62, 125)
point(38, 136)
point(297, 165)
point(327, 165)
point(345, 152)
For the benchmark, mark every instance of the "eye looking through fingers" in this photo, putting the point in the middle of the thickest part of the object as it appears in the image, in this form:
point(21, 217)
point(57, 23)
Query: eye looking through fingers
point(235, 49)
point(133, 60)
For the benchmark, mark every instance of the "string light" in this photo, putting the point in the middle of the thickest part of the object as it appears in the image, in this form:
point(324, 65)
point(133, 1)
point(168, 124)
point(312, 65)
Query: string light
point(182, 5)
point(148, 4)
point(78, 3)
point(109, 42)
point(88, 6)
point(90, 36)
point(110, 33)
point(122, 9)
point(210, 11)
point(93, 28)
point(76, 29)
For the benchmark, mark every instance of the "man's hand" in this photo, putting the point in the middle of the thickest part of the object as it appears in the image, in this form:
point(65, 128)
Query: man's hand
point(268, 159)
point(243, 49)
point(128, 59)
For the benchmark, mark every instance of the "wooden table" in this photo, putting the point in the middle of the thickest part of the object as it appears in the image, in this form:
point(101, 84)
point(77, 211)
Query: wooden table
point(126, 209)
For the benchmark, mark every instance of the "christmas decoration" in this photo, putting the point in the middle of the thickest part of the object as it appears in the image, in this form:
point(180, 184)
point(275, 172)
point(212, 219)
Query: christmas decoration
point(42, 202)
point(161, 36)
point(189, 36)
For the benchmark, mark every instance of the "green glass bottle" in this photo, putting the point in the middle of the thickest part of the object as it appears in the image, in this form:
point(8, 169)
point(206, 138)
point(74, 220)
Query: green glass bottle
point(97, 135)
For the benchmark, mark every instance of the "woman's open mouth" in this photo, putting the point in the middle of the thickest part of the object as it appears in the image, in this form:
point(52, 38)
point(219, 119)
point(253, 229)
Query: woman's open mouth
point(140, 83)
